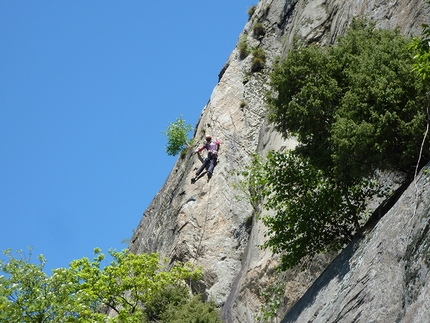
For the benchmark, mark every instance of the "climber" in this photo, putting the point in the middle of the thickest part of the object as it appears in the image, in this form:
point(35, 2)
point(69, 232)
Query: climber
point(210, 161)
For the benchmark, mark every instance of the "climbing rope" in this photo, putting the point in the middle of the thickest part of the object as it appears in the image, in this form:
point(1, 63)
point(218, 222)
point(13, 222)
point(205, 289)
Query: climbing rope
point(199, 251)
point(199, 248)
point(416, 174)
point(419, 161)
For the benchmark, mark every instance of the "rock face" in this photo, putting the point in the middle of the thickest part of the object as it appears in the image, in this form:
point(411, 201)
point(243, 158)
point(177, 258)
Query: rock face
point(211, 223)
point(382, 277)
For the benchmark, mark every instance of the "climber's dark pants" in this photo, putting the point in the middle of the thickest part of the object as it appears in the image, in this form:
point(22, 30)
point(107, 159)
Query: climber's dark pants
point(209, 163)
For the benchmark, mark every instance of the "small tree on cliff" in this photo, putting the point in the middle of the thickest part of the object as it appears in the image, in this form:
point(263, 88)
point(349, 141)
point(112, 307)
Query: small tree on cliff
point(177, 136)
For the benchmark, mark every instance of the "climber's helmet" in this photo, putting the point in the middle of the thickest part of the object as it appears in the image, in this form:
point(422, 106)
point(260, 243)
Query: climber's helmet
point(208, 138)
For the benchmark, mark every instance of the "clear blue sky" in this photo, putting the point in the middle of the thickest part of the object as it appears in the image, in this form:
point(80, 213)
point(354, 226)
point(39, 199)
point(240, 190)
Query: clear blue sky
point(86, 90)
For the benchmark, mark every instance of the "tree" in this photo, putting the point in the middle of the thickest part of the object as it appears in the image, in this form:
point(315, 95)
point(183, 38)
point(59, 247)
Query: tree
point(421, 48)
point(311, 213)
point(28, 295)
point(422, 57)
point(206, 312)
point(129, 283)
point(177, 136)
point(355, 107)
point(130, 289)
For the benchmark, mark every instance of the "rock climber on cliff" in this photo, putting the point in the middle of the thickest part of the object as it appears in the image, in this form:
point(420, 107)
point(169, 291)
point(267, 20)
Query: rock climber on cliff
point(210, 161)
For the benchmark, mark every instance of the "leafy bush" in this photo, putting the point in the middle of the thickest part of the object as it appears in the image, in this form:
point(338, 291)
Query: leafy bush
point(272, 297)
point(177, 136)
point(252, 182)
point(312, 212)
point(166, 302)
point(195, 311)
point(421, 49)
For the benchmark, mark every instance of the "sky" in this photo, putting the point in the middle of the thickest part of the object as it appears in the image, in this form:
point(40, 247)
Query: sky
point(86, 90)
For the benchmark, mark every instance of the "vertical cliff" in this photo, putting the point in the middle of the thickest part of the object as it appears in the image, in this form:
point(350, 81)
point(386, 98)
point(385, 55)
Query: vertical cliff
point(207, 222)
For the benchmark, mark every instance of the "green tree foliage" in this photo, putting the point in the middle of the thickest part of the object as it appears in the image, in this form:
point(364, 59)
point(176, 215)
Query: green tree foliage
point(131, 288)
point(312, 212)
point(355, 107)
point(195, 311)
point(129, 282)
point(177, 136)
point(422, 57)
point(421, 48)
point(28, 295)
point(253, 182)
